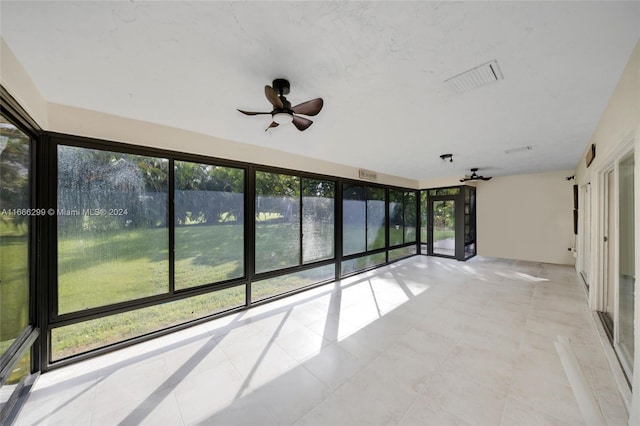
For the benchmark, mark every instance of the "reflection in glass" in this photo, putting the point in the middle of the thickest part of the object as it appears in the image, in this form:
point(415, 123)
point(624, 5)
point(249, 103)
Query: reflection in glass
point(209, 224)
point(376, 216)
point(317, 220)
point(14, 232)
point(113, 239)
point(410, 218)
point(444, 191)
point(401, 252)
point(354, 217)
point(396, 217)
point(282, 284)
point(423, 221)
point(626, 261)
point(364, 262)
point(470, 223)
point(277, 244)
point(444, 222)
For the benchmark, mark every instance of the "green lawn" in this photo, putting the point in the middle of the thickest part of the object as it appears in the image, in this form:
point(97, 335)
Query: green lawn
point(443, 234)
point(14, 282)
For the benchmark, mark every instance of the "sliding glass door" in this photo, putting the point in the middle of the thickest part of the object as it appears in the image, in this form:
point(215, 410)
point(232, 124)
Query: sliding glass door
point(626, 262)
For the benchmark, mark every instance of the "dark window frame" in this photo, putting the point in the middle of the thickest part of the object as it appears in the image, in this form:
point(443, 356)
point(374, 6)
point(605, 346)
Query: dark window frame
point(28, 340)
point(48, 260)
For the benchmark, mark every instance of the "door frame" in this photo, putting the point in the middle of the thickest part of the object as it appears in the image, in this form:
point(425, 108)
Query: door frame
point(459, 218)
point(598, 251)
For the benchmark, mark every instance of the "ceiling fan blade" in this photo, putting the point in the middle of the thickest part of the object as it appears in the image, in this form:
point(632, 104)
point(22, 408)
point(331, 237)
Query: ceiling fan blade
point(272, 96)
point(273, 124)
point(463, 180)
point(311, 107)
point(253, 112)
point(485, 178)
point(301, 123)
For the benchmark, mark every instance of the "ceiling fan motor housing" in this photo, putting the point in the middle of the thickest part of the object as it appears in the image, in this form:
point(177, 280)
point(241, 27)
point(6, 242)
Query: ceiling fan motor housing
point(281, 86)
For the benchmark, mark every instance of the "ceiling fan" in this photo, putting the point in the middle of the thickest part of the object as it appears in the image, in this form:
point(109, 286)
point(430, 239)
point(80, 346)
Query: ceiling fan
point(474, 176)
point(283, 112)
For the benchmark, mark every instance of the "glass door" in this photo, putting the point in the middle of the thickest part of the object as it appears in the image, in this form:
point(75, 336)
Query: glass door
point(609, 244)
point(443, 221)
point(626, 263)
point(585, 231)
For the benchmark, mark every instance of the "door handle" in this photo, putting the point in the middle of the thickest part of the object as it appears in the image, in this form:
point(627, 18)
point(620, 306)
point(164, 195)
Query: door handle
point(606, 239)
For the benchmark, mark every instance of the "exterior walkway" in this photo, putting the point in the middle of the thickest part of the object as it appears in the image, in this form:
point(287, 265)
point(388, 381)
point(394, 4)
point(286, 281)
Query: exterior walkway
point(422, 341)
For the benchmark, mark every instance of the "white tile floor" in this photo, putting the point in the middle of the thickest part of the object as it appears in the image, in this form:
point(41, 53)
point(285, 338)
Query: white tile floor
point(423, 341)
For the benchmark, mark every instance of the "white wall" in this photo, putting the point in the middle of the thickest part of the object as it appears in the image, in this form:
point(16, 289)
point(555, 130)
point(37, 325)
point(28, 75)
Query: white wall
point(81, 122)
point(618, 129)
point(18, 83)
point(526, 217)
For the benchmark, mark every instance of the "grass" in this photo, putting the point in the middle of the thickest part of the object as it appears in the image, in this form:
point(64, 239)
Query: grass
point(14, 282)
point(93, 334)
point(443, 234)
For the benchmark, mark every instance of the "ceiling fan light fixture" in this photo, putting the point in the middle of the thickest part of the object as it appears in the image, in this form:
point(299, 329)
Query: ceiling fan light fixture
point(282, 117)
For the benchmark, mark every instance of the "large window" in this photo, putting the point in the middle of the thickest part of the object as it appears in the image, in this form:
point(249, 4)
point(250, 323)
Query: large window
point(143, 239)
point(376, 218)
point(354, 219)
point(318, 219)
point(402, 217)
point(113, 239)
point(15, 166)
point(277, 221)
point(18, 330)
point(396, 217)
point(364, 218)
point(209, 224)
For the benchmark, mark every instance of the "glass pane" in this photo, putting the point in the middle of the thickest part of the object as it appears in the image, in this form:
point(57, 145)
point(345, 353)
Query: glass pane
point(469, 250)
point(444, 221)
point(627, 261)
point(282, 284)
point(401, 252)
point(318, 207)
point(78, 338)
point(423, 217)
point(277, 221)
point(354, 216)
point(396, 217)
point(364, 262)
point(376, 217)
point(113, 239)
point(585, 231)
point(15, 168)
point(20, 371)
point(209, 224)
point(444, 191)
point(410, 218)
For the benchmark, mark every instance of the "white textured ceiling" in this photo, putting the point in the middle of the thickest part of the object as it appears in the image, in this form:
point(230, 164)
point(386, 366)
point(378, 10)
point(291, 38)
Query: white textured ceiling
point(379, 66)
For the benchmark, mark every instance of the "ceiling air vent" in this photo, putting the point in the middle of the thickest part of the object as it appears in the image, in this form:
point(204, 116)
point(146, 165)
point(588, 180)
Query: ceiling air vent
point(475, 77)
point(520, 149)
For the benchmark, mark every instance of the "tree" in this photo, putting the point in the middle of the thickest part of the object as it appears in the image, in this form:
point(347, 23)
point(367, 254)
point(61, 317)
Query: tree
point(14, 171)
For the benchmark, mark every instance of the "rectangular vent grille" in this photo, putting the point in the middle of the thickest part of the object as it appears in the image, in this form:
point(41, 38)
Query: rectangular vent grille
point(522, 148)
point(475, 77)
